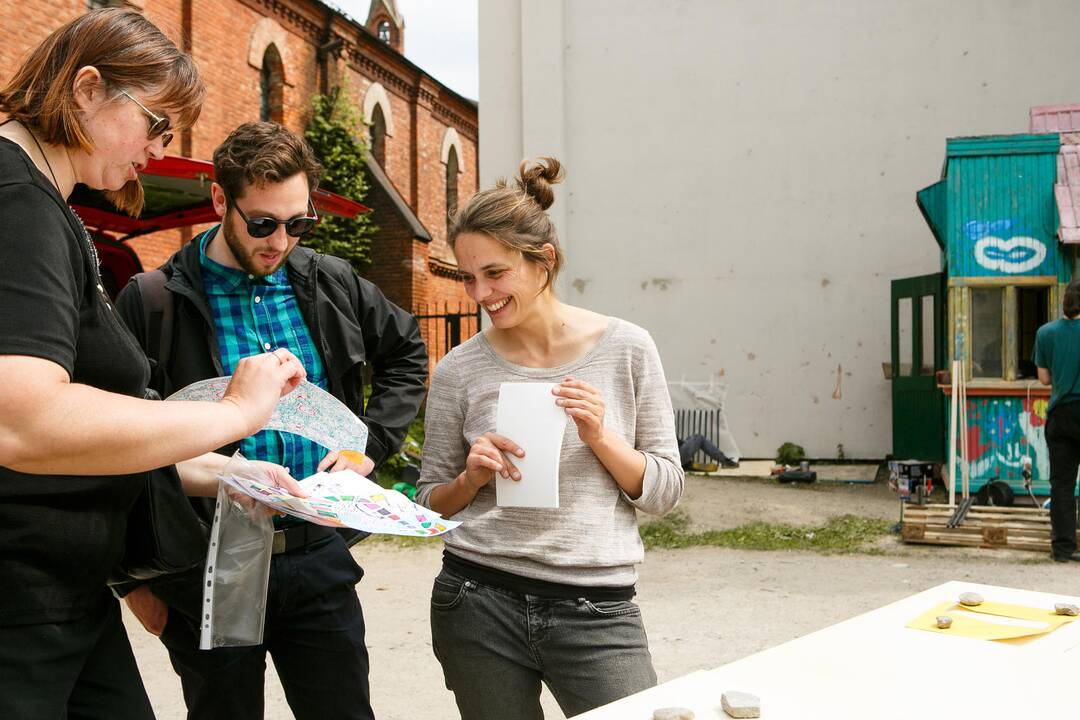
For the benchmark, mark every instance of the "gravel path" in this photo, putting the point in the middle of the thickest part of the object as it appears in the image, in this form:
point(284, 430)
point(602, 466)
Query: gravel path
point(703, 607)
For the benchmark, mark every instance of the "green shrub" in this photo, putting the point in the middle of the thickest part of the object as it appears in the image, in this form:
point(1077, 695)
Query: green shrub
point(336, 133)
point(790, 454)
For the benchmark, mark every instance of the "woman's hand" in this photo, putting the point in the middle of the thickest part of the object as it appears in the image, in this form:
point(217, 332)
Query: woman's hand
point(271, 474)
point(259, 381)
point(279, 477)
point(585, 404)
point(487, 456)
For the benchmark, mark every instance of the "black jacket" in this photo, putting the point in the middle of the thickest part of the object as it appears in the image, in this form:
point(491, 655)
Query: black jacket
point(353, 325)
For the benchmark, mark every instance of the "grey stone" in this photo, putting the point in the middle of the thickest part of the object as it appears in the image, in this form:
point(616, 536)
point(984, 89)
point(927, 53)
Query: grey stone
point(1066, 609)
point(944, 622)
point(673, 713)
point(971, 599)
point(740, 704)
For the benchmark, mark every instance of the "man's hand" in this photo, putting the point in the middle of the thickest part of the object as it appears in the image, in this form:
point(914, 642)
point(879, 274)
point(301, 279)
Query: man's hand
point(347, 460)
point(151, 610)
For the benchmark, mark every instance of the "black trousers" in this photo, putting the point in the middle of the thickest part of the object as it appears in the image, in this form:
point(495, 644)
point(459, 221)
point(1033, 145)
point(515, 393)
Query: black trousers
point(314, 632)
point(78, 670)
point(1063, 442)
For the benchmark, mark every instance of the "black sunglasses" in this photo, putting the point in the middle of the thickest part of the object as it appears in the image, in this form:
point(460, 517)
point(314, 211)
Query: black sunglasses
point(158, 125)
point(261, 227)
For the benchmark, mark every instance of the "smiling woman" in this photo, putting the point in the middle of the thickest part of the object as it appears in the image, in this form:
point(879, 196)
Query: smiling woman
point(76, 436)
point(573, 565)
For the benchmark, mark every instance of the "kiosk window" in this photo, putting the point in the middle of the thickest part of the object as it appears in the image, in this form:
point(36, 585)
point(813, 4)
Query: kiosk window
point(987, 332)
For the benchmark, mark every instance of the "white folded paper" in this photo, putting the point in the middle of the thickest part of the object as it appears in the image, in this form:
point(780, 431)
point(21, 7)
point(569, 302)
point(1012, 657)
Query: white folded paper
point(528, 415)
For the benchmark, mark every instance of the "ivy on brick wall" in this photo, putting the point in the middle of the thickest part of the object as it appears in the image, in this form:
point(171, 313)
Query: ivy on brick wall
point(338, 137)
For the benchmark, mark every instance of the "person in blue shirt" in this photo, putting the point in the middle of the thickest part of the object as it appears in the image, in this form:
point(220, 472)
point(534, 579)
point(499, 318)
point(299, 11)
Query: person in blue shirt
point(247, 284)
point(1057, 362)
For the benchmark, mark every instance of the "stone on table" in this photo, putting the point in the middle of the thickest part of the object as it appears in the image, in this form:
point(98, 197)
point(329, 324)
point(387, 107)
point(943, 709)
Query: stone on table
point(1066, 609)
point(741, 704)
point(673, 713)
point(944, 622)
point(971, 599)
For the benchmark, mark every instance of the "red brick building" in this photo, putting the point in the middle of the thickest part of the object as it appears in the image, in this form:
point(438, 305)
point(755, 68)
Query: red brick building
point(264, 59)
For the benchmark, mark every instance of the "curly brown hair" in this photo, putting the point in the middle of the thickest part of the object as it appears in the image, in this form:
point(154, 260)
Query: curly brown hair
point(261, 153)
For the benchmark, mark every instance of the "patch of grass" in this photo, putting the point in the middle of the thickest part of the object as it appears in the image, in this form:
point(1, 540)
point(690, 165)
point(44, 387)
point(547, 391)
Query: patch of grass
point(843, 534)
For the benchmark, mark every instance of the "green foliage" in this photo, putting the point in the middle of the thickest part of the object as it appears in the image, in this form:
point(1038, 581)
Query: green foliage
point(840, 451)
point(844, 534)
point(790, 454)
point(336, 134)
point(390, 471)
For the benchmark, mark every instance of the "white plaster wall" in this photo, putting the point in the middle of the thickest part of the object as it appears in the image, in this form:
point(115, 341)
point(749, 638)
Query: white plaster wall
point(741, 175)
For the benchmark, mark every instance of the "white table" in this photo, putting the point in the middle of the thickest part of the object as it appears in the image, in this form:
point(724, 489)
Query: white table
point(873, 667)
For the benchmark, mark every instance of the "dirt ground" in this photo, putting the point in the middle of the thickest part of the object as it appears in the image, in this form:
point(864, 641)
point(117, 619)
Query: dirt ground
point(703, 606)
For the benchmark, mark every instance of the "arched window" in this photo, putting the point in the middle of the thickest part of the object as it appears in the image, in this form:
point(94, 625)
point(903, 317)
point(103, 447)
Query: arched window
point(378, 135)
point(272, 86)
point(451, 185)
point(384, 31)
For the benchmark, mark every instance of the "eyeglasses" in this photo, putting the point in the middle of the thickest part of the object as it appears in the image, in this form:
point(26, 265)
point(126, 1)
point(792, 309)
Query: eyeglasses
point(262, 227)
point(159, 126)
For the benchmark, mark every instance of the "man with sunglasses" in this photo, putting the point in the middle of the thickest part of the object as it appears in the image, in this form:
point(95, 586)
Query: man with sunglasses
point(246, 286)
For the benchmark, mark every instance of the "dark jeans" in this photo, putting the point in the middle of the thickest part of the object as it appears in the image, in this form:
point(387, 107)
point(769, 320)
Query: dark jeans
point(78, 670)
point(1063, 442)
point(689, 447)
point(496, 647)
point(314, 632)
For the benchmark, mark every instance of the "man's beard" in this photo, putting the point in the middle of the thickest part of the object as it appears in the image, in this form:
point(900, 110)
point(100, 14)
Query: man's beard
point(243, 257)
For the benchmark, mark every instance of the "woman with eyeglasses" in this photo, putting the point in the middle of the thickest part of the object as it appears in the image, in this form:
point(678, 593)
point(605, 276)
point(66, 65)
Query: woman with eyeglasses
point(92, 104)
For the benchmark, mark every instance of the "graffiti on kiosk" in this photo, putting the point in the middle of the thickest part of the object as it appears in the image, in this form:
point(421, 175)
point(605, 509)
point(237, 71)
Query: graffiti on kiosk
point(1002, 246)
point(1004, 431)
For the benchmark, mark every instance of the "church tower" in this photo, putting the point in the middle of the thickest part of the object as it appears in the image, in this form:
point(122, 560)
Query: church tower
point(385, 22)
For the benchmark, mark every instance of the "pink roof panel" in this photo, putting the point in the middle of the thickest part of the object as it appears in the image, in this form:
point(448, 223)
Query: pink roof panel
point(1055, 118)
point(1067, 188)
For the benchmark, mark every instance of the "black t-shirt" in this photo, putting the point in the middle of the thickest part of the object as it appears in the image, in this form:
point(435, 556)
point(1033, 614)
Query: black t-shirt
point(59, 535)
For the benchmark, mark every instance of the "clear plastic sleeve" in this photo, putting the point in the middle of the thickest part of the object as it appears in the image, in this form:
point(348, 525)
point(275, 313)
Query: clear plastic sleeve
point(237, 565)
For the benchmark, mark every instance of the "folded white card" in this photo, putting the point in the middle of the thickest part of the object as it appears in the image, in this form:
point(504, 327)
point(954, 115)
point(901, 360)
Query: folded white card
point(528, 415)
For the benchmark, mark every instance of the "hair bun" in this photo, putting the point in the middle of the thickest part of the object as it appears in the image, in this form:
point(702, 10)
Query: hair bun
point(536, 177)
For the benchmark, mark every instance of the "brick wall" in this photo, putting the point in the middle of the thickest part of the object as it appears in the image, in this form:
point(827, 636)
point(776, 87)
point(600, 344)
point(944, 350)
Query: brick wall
point(221, 35)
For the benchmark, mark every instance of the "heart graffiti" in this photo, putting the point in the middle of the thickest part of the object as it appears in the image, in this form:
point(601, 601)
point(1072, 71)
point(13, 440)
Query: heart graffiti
point(1012, 256)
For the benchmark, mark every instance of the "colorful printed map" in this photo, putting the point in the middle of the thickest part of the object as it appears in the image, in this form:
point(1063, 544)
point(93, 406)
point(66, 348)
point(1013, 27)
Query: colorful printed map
point(348, 499)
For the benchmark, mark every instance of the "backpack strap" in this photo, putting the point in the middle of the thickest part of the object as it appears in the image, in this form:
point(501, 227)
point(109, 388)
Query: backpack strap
point(158, 312)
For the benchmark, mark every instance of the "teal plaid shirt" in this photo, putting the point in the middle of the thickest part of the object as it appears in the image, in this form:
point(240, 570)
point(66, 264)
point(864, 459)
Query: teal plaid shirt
point(255, 315)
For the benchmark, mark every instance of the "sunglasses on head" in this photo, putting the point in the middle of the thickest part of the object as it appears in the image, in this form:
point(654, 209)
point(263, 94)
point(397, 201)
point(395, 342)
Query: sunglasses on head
point(261, 227)
point(159, 126)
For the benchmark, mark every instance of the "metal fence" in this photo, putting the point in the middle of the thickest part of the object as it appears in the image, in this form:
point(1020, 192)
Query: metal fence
point(446, 325)
point(705, 422)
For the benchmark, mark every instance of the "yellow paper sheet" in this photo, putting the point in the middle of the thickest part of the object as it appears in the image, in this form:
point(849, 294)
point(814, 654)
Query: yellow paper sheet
point(965, 625)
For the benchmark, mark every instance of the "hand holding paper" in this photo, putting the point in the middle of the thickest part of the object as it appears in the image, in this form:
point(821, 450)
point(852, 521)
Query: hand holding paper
point(488, 457)
point(585, 404)
point(527, 413)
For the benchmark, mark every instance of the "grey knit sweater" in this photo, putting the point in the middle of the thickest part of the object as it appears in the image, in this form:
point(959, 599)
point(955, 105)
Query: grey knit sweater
point(592, 538)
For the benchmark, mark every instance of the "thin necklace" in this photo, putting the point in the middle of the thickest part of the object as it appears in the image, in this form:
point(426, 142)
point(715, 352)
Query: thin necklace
point(86, 233)
point(44, 157)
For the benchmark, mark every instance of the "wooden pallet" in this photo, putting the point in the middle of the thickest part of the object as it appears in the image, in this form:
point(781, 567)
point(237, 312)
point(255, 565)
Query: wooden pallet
point(1019, 528)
